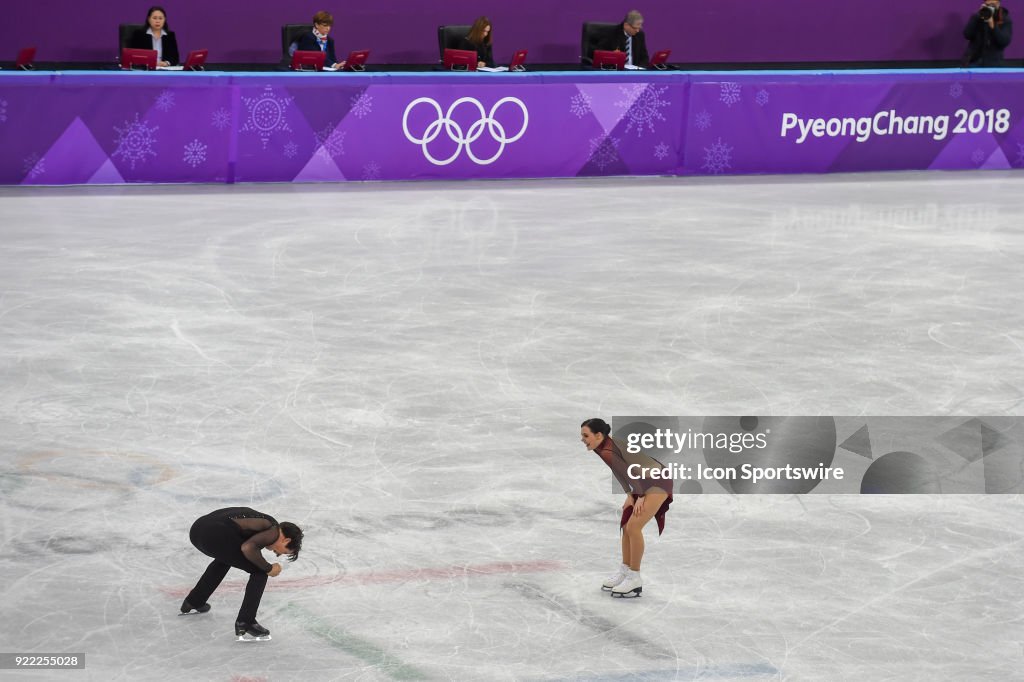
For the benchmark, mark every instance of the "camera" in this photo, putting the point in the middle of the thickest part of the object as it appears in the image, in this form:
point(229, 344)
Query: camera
point(987, 12)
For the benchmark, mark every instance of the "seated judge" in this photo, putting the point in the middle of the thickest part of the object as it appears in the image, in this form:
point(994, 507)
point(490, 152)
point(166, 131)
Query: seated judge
point(628, 37)
point(156, 36)
point(479, 40)
point(318, 39)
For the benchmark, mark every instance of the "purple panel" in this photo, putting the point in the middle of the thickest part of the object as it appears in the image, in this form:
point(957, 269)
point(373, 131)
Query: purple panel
point(405, 32)
point(855, 123)
point(323, 128)
point(426, 128)
point(84, 128)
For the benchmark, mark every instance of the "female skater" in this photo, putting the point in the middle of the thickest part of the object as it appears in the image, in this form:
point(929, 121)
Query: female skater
point(645, 499)
point(234, 537)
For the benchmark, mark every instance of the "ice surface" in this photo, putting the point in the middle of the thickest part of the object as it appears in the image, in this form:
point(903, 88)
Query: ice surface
point(402, 368)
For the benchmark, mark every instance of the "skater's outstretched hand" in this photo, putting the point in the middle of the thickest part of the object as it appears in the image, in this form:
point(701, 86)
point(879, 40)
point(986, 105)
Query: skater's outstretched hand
point(275, 570)
point(628, 502)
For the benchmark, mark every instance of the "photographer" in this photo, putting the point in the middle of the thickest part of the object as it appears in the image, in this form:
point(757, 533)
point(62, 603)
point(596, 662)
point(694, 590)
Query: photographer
point(989, 31)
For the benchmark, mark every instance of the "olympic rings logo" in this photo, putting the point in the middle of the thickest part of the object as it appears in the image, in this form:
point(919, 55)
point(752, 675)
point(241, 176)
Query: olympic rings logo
point(464, 139)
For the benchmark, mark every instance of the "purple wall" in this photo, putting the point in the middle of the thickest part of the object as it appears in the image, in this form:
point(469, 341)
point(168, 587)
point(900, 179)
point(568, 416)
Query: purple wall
point(404, 31)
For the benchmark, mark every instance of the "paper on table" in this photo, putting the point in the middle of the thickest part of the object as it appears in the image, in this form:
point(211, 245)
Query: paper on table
point(170, 68)
point(630, 67)
point(330, 68)
point(494, 69)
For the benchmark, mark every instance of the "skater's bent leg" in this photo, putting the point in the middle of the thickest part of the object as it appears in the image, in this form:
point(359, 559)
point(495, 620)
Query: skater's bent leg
point(253, 593)
point(635, 527)
point(636, 544)
point(625, 538)
point(211, 578)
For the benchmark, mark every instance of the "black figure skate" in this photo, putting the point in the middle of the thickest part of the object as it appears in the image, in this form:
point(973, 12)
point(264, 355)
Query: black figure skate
point(187, 608)
point(251, 632)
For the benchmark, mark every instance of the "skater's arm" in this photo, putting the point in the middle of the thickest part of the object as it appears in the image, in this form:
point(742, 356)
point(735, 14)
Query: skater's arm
point(618, 468)
point(251, 547)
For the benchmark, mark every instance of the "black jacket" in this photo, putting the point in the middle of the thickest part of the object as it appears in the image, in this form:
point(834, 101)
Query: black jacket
point(141, 40)
point(616, 40)
point(987, 44)
point(309, 43)
point(484, 51)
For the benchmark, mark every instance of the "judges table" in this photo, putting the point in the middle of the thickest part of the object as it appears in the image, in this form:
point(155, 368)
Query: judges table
point(176, 127)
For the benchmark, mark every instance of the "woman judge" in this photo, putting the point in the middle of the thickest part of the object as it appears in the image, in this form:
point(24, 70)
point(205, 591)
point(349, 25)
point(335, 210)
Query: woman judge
point(156, 36)
point(479, 40)
point(646, 498)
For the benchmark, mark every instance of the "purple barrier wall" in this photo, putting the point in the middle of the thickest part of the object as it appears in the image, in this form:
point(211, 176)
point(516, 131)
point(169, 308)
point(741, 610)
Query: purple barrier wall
point(846, 122)
point(112, 128)
point(402, 31)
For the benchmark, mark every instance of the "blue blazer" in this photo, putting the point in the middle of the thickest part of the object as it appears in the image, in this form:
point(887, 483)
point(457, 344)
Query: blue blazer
point(308, 42)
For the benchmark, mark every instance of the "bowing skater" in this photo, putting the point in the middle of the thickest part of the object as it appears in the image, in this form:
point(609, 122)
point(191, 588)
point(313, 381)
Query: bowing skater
point(234, 537)
point(645, 499)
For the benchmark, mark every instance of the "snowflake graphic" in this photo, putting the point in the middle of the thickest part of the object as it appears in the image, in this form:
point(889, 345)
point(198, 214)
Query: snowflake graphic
point(703, 120)
point(221, 119)
point(291, 149)
point(661, 152)
point(362, 104)
point(331, 142)
point(643, 105)
point(978, 157)
point(729, 94)
point(604, 151)
point(955, 90)
point(1020, 154)
point(717, 157)
point(135, 141)
point(195, 153)
point(266, 114)
point(579, 105)
point(33, 166)
point(3, 111)
point(165, 102)
point(761, 97)
point(630, 92)
point(371, 171)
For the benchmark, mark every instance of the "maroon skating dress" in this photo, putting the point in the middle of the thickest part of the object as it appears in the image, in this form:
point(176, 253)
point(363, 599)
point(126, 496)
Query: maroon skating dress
point(610, 452)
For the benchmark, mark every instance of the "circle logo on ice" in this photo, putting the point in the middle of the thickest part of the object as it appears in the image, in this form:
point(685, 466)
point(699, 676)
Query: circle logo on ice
point(464, 139)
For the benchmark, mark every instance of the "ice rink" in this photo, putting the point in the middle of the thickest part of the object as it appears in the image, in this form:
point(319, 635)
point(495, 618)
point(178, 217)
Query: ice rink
point(401, 369)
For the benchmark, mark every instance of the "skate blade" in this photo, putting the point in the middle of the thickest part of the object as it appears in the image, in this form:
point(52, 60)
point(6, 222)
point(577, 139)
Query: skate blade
point(249, 638)
point(632, 594)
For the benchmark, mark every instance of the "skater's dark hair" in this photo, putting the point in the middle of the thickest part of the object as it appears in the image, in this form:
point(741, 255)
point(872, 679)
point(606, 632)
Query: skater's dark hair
point(597, 425)
point(294, 535)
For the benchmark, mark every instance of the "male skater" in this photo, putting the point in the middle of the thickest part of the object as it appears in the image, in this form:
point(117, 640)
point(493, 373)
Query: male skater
point(234, 537)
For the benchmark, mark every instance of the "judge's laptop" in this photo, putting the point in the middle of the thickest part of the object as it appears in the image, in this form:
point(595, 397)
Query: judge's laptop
point(609, 60)
point(308, 60)
point(460, 60)
point(25, 59)
point(356, 60)
point(196, 60)
point(138, 59)
point(660, 60)
point(518, 61)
